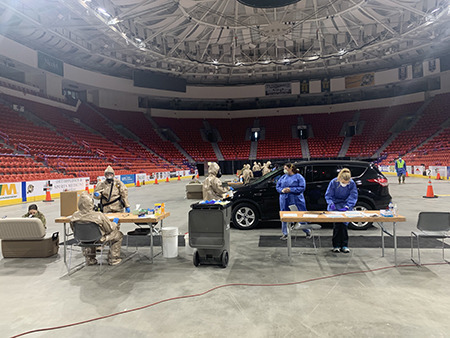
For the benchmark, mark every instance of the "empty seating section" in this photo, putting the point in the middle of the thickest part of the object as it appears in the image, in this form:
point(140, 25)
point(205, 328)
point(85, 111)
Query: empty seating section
point(121, 150)
point(431, 120)
point(15, 168)
point(188, 131)
point(326, 128)
point(138, 124)
point(434, 152)
point(278, 142)
point(376, 128)
point(233, 145)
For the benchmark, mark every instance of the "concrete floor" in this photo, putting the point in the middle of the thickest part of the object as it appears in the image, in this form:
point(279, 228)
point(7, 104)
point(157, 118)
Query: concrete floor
point(323, 301)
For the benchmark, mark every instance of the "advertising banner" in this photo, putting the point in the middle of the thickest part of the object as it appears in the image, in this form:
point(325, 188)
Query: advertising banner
point(141, 177)
point(10, 193)
point(36, 190)
point(127, 179)
point(278, 88)
point(419, 169)
point(438, 169)
point(50, 64)
point(360, 80)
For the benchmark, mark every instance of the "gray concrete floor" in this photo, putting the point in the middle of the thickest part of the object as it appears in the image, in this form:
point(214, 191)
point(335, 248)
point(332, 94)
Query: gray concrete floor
point(324, 301)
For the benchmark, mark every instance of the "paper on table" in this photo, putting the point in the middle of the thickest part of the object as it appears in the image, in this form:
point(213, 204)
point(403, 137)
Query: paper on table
point(290, 215)
point(310, 215)
point(335, 215)
point(355, 214)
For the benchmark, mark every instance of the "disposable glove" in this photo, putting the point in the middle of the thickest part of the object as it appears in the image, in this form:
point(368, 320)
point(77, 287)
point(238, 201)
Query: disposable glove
point(231, 188)
point(127, 209)
point(332, 207)
point(116, 220)
point(96, 194)
point(344, 208)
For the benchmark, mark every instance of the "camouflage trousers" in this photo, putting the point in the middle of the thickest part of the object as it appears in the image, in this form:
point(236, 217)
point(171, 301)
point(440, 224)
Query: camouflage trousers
point(115, 242)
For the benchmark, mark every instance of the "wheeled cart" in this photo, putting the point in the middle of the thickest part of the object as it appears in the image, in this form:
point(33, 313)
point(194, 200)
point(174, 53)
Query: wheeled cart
point(209, 233)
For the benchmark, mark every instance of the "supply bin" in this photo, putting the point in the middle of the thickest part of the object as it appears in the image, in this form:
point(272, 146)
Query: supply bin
point(209, 233)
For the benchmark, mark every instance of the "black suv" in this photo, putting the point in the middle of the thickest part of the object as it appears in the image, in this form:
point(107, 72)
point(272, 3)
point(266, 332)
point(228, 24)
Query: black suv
point(259, 200)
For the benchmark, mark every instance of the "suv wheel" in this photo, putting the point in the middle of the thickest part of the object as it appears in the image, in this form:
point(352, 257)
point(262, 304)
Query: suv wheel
point(245, 216)
point(361, 206)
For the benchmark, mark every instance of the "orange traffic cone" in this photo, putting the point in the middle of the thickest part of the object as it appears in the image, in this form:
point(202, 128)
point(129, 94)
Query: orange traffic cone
point(138, 184)
point(179, 179)
point(438, 176)
point(407, 175)
point(156, 180)
point(167, 179)
point(430, 192)
point(48, 196)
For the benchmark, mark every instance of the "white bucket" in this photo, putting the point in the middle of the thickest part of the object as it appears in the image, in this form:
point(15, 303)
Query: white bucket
point(188, 249)
point(170, 242)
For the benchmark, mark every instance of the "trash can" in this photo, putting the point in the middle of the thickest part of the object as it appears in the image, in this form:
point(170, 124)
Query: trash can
point(170, 242)
point(209, 233)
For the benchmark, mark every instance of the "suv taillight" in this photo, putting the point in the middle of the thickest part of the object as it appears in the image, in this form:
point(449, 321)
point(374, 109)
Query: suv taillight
point(381, 181)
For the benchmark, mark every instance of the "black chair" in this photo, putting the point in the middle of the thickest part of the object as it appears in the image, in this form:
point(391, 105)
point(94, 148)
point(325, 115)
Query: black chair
point(431, 225)
point(87, 235)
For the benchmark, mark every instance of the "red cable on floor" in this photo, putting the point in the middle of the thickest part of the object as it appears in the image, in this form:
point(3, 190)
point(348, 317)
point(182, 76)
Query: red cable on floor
point(216, 288)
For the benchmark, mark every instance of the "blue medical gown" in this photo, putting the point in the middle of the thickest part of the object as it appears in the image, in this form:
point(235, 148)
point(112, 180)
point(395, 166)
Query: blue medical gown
point(341, 196)
point(297, 185)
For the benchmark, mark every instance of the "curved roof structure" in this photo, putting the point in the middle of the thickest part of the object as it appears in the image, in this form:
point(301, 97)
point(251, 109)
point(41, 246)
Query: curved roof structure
point(227, 42)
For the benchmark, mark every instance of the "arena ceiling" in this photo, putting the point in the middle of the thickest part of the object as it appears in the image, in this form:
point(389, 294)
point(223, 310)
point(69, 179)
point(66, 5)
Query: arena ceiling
point(227, 42)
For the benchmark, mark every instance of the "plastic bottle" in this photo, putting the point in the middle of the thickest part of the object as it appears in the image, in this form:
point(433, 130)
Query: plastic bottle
point(162, 208)
point(395, 210)
point(391, 208)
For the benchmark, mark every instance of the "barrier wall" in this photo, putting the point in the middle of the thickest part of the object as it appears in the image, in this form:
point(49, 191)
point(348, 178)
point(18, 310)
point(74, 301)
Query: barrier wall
point(419, 171)
point(35, 191)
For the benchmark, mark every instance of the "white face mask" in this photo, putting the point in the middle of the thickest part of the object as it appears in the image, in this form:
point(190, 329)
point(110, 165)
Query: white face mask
point(285, 171)
point(343, 185)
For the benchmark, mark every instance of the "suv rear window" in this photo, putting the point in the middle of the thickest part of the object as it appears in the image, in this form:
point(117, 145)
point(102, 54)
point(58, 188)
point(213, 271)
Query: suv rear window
point(357, 171)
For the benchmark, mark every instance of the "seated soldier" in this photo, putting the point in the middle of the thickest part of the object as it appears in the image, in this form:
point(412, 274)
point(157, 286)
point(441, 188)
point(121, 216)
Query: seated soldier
point(34, 212)
point(110, 230)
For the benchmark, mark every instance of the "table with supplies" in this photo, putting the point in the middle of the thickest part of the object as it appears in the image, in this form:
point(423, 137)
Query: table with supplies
point(345, 216)
point(151, 220)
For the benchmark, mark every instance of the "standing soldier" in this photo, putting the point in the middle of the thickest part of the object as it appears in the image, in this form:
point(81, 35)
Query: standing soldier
point(112, 193)
point(247, 174)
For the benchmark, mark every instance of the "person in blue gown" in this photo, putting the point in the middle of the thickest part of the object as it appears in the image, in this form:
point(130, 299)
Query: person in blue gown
point(291, 186)
point(341, 195)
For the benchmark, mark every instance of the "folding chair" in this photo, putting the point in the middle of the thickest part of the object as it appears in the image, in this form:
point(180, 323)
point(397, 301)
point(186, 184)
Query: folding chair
point(307, 226)
point(431, 225)
point(87, 235)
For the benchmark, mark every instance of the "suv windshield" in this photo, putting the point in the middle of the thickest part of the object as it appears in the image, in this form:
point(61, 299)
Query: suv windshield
point(270, 175)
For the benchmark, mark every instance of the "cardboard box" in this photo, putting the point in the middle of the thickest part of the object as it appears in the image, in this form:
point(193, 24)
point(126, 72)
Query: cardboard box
point(40, 248)
point(69, 202)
